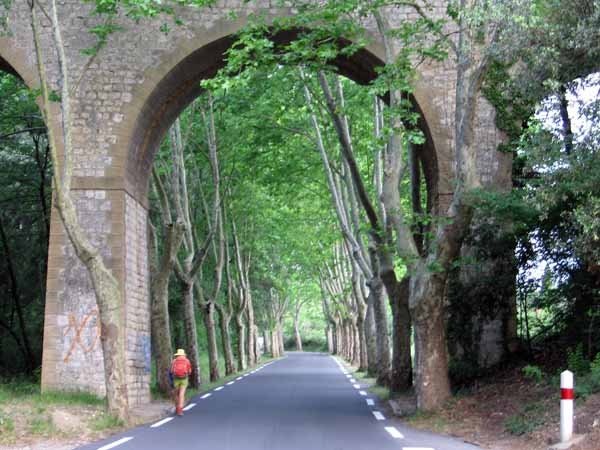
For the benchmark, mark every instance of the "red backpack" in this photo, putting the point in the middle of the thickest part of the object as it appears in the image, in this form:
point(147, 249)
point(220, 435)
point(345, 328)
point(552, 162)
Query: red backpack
point(179, 369)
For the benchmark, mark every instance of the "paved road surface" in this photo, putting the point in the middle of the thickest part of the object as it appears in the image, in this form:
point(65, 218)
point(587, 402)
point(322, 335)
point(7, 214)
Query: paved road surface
point(304, 401)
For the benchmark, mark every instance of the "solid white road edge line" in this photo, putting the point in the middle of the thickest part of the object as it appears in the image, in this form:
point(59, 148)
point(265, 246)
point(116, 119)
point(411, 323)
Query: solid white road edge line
point(356, 386)
point(378, 415)
point(362, 392)
point(161, 422)
point(205, 396)
point(190, 406)
point(394, 433)
point(370, 402)
point(219, 388)
point(114, 444)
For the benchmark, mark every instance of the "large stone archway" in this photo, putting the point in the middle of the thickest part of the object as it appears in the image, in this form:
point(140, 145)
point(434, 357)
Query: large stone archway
point(127, 99)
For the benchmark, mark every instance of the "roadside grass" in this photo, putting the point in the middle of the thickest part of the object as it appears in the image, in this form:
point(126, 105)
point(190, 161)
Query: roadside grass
point(12, 391)
point(105, 421)
point(26, 413)
point(527, 420)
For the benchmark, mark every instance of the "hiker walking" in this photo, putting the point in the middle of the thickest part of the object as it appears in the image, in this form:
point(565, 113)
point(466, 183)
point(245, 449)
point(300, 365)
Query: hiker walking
point(180, 370)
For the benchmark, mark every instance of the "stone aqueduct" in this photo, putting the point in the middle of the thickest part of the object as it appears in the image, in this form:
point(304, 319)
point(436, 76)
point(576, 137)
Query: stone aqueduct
point(127, 100)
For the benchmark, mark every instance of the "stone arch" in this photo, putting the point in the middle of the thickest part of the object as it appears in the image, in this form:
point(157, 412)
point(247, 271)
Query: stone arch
point(170, 86)
point(14, 62)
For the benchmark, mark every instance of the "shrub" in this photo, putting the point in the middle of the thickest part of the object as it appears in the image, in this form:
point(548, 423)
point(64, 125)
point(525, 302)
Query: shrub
point(533, 373)
point(577, 362)
point(526, 421)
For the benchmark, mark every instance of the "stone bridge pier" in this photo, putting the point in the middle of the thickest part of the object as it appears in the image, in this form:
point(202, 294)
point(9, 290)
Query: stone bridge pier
point(126, 101)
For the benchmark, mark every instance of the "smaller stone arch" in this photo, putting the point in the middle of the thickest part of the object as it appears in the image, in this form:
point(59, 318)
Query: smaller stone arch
point(13, 61)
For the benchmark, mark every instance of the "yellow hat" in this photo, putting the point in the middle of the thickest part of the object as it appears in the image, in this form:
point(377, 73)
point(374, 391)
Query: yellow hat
point(180, 352)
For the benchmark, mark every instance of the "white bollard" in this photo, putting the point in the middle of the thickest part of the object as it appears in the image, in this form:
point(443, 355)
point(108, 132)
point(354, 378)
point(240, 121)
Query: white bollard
point(567, 398)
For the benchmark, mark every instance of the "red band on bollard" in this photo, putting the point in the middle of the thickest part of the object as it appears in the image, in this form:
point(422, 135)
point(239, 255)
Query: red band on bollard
point(567, 394)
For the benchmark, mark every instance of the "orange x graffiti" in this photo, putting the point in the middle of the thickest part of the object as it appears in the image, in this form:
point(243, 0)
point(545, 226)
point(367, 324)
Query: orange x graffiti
point(78, 328)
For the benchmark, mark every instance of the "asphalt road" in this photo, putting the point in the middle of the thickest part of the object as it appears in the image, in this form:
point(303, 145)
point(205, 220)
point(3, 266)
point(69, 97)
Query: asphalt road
point(305, 401)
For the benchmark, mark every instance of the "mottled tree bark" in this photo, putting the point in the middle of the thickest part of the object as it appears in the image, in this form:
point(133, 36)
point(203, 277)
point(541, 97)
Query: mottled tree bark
point(241, 343)
point(431, 352)
point(211, 335)
point(267, 339)
point(252, 357)
point(224, 323)
point(401, 374)
point(370, 336)
point(191, 336)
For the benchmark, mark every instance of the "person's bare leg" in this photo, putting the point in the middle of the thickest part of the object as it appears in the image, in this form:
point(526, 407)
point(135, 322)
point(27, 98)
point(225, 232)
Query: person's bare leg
point(181, 396)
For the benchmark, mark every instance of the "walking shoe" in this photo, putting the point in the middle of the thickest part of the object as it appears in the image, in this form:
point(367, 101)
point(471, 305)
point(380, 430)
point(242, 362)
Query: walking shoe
point(179, 411)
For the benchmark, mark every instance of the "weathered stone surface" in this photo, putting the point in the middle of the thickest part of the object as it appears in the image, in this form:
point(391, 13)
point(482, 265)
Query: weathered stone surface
point(125, 102)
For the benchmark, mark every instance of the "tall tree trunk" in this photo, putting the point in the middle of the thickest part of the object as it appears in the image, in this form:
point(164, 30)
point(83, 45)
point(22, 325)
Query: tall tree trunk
point(329, 337)
point(14, 289)
point(370, 336)
point(362, 339)
point(355, 355)
point(381, 336)
point(191, 336)
point(224, 322)
point(297, 336)
point(252, 358)
point(267, 339)
point(160, 273)
point(241, 343)
point(161, 335)
point(211, 335)
point(280, 339)
point(401, 375)
point(431, 351)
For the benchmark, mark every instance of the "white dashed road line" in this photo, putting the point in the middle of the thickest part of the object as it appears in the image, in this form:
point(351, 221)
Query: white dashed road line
point(230, 383)
point(378, 415)
point(370, 402)
point(206, 396)
point(394, 433)
point(348, 376)
point(418, 448)
point(161, 422)
point(190, 406)
point(219, 388)
point(238, 378)
point(362, 392)
point(356, 386)
point(352, 380)
point(114, 444)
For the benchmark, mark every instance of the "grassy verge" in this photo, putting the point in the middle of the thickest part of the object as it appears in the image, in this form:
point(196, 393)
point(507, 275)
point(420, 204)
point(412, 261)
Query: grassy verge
point(26, 412)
